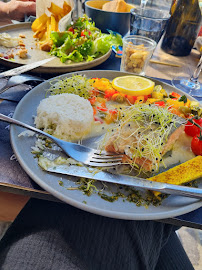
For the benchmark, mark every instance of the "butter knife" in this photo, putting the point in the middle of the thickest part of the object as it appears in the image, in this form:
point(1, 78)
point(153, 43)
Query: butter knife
point(24, 68)
point(131, 181)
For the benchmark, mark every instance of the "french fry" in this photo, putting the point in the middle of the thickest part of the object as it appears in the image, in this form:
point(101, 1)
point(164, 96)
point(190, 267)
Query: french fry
point(66, 8)
point(48, 27)
point(53, 23)
point(39, 34)
point(43, 25)
point(55, 10)
point(39, 22)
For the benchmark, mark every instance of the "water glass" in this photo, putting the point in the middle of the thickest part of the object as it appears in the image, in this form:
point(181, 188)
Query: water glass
point(137, 51)
point(148, 22)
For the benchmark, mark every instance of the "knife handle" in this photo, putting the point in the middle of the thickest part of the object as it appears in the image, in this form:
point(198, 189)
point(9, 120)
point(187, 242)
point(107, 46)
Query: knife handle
point(182, 191)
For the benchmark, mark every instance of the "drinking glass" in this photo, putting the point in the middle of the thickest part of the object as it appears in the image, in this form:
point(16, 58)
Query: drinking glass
point(143, 3)
point(137, 51)
point(190, 85)
point(148, 22)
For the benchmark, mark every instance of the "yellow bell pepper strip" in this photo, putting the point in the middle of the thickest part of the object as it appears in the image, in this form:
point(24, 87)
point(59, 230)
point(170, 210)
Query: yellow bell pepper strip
point(139, 100)
point(174, 103)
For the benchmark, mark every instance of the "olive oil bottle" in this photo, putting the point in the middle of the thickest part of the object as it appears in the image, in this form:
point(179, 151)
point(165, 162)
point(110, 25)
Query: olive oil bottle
point(182, 28)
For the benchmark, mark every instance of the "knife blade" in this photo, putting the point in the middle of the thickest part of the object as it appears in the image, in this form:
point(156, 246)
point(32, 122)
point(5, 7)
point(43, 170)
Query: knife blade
point(131, 181)
point(24, 68)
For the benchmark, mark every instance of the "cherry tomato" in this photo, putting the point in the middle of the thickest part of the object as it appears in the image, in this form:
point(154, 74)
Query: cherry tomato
point(192, 130)
point(196, 145)
point(85, 33)
point(71, 29)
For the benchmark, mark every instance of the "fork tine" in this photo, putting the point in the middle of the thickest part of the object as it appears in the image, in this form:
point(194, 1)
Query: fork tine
point(99, 152)
point(95, 164)
point(105, 159)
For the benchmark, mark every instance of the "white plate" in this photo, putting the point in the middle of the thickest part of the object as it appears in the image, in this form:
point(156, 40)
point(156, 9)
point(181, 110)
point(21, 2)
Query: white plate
point(35, 54)
point(171, 207)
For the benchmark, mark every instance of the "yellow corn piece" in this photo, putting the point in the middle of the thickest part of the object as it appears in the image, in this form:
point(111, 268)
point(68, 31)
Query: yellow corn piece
point(55, 10)
point(39, 23)
point(183, 173)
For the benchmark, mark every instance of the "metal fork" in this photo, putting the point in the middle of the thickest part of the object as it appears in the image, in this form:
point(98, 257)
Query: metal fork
point(18, 79)
point(81, 153)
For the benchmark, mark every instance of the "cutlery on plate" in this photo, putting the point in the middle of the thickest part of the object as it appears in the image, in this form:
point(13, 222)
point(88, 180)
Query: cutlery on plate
point(80, 153)
point(84, 154)
point(24, 68)
point(18, 79)
point(135, 182)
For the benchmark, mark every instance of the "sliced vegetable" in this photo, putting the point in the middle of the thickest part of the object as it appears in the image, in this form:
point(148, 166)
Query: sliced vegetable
point(191, 129)
point(85, 33)
point(174, 95)
point(160, 103)
point(174, 103)
point(196, 145)
point(133, 85)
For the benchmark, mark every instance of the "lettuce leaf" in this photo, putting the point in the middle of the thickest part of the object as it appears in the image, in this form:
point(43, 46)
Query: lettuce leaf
point(71, 45)
point(105, 42)
point(86, 48)
point(75, 56)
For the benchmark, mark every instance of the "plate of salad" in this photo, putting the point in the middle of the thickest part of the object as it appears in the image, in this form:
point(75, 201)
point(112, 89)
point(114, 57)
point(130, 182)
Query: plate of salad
point(81, 47)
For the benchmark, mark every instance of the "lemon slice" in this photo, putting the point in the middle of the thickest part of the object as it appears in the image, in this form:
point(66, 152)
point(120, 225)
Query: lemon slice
point(133, 85)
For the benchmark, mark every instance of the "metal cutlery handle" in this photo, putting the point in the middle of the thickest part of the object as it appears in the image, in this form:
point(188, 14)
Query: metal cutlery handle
point(183, 191)
point(21, 124)
point(24, 68)
point(158, 186)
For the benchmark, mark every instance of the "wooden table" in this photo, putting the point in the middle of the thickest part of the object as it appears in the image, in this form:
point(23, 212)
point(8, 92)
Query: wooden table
point(11, 204)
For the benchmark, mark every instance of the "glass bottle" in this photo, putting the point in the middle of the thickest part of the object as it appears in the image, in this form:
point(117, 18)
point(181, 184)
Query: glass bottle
point(182, 28)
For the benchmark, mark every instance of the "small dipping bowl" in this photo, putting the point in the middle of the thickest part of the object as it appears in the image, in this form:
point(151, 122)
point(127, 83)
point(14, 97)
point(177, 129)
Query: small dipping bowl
point(137, 51)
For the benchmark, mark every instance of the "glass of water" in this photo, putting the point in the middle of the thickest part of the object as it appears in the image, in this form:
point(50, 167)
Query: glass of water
point(148, 22)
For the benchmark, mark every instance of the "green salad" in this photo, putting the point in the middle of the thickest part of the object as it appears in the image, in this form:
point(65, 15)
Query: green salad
point(82, 41)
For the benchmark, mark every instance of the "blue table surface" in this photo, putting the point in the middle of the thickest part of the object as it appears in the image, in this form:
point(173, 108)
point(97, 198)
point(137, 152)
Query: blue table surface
point(113, 63)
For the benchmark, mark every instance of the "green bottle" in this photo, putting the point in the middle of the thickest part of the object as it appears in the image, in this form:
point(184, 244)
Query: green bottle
point(182, 29)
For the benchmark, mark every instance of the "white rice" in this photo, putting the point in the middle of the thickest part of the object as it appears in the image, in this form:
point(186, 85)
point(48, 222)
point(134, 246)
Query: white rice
point(66, 116)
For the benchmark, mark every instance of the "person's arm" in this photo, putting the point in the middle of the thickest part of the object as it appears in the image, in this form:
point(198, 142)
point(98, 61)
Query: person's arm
point(16, 10)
